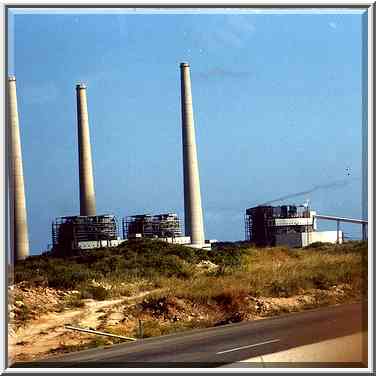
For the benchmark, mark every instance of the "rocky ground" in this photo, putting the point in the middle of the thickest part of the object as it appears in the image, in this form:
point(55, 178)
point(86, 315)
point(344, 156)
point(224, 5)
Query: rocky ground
point(38, 316)
point(37, 319)
point(145, 289)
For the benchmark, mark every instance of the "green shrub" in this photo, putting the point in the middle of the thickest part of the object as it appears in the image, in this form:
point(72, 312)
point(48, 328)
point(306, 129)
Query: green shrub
point(320, 245)
point(73, 301)
point(274, 271)
point(94, 292)
point(24, 314)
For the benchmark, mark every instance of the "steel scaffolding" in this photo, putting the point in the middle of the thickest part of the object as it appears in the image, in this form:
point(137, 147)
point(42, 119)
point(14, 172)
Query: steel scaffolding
point(261, 222)
point(152, 226)
point(68, 232)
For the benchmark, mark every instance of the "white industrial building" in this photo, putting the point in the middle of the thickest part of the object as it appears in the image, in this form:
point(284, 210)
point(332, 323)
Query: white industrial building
point(289, 225)
point(299, 240)
point(165, 227)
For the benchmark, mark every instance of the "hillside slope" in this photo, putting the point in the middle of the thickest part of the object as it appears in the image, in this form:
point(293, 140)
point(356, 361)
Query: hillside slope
point(149, 288)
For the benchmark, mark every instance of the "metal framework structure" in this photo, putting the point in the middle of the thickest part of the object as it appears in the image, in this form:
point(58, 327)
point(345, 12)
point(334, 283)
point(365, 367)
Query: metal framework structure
point(68, 232)
point(152, 226)
point(263, 223)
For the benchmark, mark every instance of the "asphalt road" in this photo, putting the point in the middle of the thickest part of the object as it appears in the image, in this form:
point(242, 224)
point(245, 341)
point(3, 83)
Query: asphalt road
point(222, 345)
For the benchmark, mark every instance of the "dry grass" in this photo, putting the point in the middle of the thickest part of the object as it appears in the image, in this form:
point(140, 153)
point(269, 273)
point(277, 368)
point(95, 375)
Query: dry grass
point(224, 294)
point(277, 272)
point(247, 284)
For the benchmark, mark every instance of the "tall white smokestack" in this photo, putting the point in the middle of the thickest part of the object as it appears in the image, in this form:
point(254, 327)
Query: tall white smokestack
point(87, 194)
point(19, 231)
point(193, 220)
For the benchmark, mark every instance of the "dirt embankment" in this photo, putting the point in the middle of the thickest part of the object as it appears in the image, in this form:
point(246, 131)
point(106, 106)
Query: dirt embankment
point(144, 289)
point(38, 317)
point(42, 333)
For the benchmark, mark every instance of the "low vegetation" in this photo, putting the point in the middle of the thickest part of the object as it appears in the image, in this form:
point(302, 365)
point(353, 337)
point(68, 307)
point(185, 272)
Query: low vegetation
point(196, 288)
point(277, 271)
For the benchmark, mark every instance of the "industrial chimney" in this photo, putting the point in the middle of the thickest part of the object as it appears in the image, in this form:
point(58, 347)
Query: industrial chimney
point(192, 197)
point(19, 229)
point(87, 194)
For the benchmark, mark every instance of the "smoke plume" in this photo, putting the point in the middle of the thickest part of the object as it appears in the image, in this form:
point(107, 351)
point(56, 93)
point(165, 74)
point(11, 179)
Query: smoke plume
point(334, 184)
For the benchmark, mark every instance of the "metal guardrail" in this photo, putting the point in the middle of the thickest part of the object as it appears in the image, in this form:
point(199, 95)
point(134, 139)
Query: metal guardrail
point(99, 333)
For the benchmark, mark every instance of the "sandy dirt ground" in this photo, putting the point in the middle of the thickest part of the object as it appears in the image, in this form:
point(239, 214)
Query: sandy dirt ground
point(46, 334)
point(40, 337)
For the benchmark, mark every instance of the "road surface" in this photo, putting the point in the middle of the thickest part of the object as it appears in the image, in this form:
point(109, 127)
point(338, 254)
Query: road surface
point(218, 346)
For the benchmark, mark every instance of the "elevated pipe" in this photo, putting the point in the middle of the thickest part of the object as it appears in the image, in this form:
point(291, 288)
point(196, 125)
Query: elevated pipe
point(363, 222)
point(341, 219)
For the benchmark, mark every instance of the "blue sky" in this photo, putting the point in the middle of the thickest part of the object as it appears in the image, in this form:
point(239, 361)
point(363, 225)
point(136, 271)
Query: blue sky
point(277, 105)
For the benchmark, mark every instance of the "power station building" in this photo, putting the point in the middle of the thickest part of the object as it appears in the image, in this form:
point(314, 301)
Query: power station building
point(85, 232)
point(165, 227)
point(265, 225)
point(290, 225)
point(88, 230)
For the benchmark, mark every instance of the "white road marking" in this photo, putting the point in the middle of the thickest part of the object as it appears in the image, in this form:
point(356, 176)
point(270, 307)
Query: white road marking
point(247, 347)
